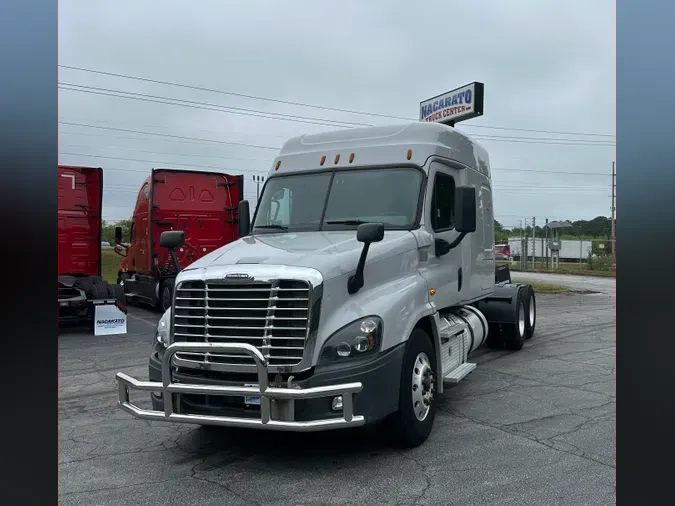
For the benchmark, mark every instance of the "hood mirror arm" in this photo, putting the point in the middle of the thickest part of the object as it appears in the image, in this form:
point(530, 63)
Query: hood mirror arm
point(367, 233)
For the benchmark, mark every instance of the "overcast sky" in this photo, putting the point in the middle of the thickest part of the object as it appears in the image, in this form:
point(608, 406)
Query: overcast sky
point(547, 66)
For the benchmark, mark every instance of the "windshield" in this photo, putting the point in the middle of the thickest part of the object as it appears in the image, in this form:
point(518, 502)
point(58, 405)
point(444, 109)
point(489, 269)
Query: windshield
point(344, 199)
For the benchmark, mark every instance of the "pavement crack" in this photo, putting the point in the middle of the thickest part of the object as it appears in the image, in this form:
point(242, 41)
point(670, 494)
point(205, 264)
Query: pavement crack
point(542, 442)
point(193, 474)
point(425, 473)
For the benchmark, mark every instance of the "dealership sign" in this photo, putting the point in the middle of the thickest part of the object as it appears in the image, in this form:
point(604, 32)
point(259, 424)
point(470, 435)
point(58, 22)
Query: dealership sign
point(454, 106)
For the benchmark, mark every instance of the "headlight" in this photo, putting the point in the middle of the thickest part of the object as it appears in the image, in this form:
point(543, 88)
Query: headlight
point(162, 332)
point(358, 339)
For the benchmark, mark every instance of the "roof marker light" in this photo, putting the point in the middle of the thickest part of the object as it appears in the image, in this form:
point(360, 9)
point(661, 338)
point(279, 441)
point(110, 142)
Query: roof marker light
point(323, 160)
point(409, 156)
point(351, 158)
point(337, 159)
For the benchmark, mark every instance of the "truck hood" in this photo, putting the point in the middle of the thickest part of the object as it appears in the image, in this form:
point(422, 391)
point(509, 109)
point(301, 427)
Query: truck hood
point(332, 253)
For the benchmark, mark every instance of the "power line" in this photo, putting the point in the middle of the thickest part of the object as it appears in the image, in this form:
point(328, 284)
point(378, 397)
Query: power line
point(498, 138)
point(165, 153)
point(493, 169)
point(276, 149)
point(143, 97)
point(513, 185)
point(159, 134)
point(302, 104)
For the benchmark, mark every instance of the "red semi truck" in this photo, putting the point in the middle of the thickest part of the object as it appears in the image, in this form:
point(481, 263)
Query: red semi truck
point(80, 199)
point(204, 205)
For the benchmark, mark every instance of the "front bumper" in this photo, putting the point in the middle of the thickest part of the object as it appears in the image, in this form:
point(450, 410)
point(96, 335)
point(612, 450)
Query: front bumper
point(277, 409)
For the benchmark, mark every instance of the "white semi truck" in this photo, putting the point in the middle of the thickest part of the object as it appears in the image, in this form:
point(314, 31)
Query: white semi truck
point(363, 283)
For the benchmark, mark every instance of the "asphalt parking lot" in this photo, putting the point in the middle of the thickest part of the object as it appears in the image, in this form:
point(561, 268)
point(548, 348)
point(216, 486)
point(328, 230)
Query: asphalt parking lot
point(534, 427)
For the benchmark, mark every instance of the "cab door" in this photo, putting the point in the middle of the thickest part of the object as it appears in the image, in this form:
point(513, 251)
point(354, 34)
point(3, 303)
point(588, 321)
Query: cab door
point(442, 273)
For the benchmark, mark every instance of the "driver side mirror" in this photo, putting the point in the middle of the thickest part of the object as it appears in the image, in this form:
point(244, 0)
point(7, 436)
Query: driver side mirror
point(465, 209)
point(370, 232)
point(118, 235)
point(172, 239)
point(244, 218)
point(366, 233)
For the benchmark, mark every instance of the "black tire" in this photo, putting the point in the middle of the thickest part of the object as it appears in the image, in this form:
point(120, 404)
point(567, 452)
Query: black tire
point(111, 291)
point(87, 285)
point(166, 295)
point(100, 290)
point(514, 333)
point(118, 293)
point(531, 315)
point(404, 426)
point(495, 339)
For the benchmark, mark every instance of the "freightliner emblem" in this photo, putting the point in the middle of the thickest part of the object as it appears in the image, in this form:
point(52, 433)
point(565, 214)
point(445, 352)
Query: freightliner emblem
point(239, 276)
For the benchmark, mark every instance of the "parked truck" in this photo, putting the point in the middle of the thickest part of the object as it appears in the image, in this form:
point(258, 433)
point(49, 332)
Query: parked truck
point(80, 285)
point(361, 287)
point(203, 205)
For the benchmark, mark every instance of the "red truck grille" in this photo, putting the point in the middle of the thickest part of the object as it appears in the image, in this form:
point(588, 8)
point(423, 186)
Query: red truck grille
point(273, 316)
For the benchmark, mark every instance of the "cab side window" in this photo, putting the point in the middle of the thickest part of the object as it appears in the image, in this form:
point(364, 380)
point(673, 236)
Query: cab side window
point(443, 203)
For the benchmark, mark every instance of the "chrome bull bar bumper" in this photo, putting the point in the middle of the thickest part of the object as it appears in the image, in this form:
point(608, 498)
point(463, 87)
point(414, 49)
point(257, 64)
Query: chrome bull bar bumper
point(270, 397)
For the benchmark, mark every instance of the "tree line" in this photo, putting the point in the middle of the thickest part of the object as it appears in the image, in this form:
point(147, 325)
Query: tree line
point(597, 228)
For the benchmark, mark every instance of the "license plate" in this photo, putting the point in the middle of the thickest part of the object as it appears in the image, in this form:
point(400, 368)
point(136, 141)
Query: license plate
point(252, 400)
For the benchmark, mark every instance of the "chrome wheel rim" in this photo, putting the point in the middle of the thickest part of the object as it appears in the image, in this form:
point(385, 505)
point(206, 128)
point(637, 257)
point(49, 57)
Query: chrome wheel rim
point(521, 319)
point(422, 386)
point(532, 311)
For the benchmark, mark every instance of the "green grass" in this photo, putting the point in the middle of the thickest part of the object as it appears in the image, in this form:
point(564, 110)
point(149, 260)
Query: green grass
point(548, 288)
point(110, 262)
point(579, 269)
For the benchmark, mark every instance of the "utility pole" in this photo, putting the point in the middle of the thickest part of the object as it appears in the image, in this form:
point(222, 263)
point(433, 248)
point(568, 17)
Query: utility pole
point(534, 242)
point(258, 181)
point(546, 240)
point(523, 246)
point(613, 240)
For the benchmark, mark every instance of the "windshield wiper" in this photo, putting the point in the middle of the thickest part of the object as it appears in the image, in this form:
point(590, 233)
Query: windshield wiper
point(274, 227)
point(346, 222)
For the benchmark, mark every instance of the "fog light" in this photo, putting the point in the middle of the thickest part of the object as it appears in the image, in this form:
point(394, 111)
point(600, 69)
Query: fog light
point(337, 403)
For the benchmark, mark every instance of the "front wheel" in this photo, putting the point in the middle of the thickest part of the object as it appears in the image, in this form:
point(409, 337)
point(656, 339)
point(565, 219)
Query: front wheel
point(166, 297)
point(411, 425)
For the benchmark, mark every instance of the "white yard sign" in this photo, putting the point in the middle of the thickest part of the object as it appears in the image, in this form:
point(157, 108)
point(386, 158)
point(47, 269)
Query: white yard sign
point(454, 106)
point(109, 320)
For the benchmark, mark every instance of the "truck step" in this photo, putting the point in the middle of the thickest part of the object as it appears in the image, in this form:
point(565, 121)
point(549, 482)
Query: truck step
point(459, 373)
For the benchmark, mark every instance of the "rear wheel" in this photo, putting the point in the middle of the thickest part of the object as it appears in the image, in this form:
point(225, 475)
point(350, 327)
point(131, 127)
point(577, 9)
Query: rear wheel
point(495, 339)
point(411, 425)
point(100, 290)
point(531, 319)
point(87, 285)
point(514, 333)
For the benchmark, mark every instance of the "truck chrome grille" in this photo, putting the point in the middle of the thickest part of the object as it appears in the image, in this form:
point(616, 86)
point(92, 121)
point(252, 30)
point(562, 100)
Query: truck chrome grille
point(273, 316)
